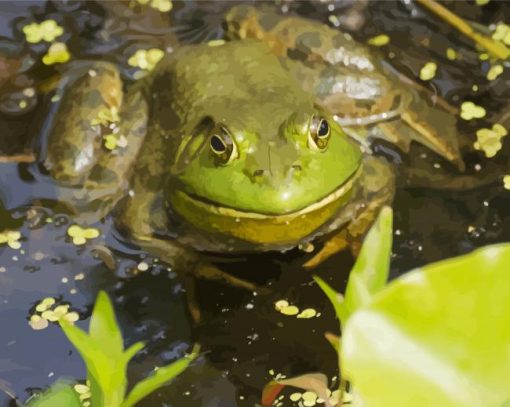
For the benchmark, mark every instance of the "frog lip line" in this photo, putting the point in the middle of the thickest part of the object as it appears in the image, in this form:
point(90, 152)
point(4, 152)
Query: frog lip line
point(235, 213)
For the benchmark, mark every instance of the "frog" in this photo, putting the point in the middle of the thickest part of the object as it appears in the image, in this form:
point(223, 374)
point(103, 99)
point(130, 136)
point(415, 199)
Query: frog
point(260, 141)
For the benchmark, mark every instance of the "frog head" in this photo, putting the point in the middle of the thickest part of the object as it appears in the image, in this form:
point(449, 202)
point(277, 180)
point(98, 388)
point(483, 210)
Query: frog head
point(257, 158)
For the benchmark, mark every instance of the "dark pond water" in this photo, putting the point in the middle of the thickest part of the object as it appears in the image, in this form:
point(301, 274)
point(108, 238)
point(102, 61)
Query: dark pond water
point(243, 338)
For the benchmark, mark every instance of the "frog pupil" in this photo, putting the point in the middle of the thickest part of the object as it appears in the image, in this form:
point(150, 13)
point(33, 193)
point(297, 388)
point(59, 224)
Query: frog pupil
point(218, 145)
point(323, 128)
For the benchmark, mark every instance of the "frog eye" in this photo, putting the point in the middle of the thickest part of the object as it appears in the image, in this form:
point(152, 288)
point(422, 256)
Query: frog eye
point(320, 133)
point(223, 146)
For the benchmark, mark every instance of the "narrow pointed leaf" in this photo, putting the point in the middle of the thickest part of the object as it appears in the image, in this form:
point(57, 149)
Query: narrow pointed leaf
point(370, 272)
point(132, 351)
point(103, 325)
point(334, 340)
point(335, 298)
point(159, 379)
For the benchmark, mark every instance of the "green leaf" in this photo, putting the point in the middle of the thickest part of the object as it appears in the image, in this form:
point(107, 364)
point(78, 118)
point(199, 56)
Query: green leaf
point(60, 394)
point(370, 272)
point(159, 379)
point(103, 325)
point(438, 336)
point(102, 351)
point(336, 299)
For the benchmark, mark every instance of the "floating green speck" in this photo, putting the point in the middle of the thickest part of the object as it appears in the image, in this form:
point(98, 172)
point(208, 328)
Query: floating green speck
point(379, 40)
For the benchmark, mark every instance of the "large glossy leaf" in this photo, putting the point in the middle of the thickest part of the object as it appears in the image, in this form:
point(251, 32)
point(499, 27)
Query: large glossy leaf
point(439, 336)
point(159, 379)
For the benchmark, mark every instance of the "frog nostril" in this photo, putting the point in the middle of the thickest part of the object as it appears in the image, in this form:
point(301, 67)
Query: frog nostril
point(258, 173)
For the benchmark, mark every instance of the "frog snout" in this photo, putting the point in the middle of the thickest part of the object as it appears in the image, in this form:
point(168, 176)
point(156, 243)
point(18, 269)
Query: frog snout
point(265, 173)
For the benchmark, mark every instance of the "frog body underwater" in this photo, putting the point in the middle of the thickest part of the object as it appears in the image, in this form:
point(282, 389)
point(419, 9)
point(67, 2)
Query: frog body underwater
point(260, 143)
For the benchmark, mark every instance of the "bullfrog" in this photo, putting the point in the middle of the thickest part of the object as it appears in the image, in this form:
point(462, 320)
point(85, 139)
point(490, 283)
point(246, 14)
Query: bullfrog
point(258, 142)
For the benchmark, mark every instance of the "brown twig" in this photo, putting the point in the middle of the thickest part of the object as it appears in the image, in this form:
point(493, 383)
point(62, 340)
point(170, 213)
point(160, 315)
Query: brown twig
point(495, 48)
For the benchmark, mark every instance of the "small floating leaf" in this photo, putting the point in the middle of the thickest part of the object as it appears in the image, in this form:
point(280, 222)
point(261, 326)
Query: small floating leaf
point(57, 54)
point(428, 71)
point(506, 182)
point(471, 111)
point(494, 72)
point(146, 59)
point(489, 140)
point(48, 30)
point(379, 40)
point(451, 54)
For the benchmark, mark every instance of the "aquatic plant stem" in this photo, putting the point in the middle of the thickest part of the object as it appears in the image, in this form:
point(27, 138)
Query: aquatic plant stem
point(495, 48)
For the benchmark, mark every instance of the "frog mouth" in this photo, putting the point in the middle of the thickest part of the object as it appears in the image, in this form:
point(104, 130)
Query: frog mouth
point(224, 211)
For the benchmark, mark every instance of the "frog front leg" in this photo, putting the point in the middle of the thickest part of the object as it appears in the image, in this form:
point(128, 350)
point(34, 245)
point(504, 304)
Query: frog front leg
point(377, 189)
point(92, 136)
point(141, 216)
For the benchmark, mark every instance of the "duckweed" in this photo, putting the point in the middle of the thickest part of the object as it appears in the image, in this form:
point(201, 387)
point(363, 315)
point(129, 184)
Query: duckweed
point(451, 54)
point(489, 140)
point(285, 308)
point(307, 313)
point(106, 116)
point(57, 54)
point(428, 71)
point(45, 304)
point(48, 30)
point(506, 182)
point(471, 111)
point(379, 40)
point(161, 5)
point(45, 313)
point(11, 238)
point(502, 33)
point(494, 72)
point(81, 235)
point(111, 142)
point(215, 43)
point(146, 59)
point(37, 322)
point(84, 393)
